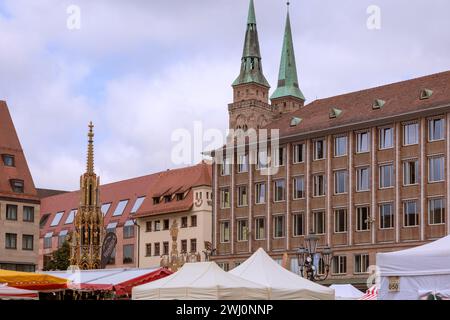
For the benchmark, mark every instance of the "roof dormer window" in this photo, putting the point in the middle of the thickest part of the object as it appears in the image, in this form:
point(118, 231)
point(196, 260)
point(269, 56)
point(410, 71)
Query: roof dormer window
point(426, 94)
point(295, 121)
point(156, 200)
point(8, 160)
point(17, 185)
point(334, 113)
point(179, 196)
point(378, 104)
point(167, 199)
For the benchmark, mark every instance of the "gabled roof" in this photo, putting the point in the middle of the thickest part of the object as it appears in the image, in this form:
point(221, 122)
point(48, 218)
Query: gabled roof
point(10, 145)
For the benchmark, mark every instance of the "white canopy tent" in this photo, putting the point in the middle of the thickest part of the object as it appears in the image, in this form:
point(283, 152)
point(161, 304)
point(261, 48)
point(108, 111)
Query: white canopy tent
point(10, 293)
point(421, 271)
point(283, 284)
point(346, 292)
point(200, 281)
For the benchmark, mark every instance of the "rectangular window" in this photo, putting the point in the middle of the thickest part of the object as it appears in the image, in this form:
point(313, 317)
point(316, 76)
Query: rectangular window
point(48, 240)
point(224, 231)
point(57, 219)
point(128, 229)
point(157, 225)
point(411, 213)
point(319, 149)
point(225, 198)
point(436, 211)
point(386, 138)
point(340, 220)
point(28, 214)
point(410, 134)
point(17, 186)
point(128, 253)
point(224, 265)
point(8, 160)
point(436, 169)
point(278, 226)
point(340, 146)
point(11, 241)
point(299, 225)
point(166, 224)
point(386, 216)
point(319, 185)
point(299, 153)
point(386, 176)
point(410, 172)
point(363, 142)
point(193, 221)
point(27, 242)
point(184, 222)
point(148, 226)
point(137, 204)
point(184, 248)
point(436, 129)
point(340, 265)
point(362, 219)
point(361, 263)
point(62, 238)
point(263, 161)
point(280, 190)
point(340, 181)
point(157, 249)
point(105, 207)
point(11, 212)
point(120, 208)
point(193, 245)
point(165, 248)
point(242, 230)
point(243, 163)
point(148, 250)
point(111, 227)
point(280, 157)
point(260, 233)
point(318, 222)
point(299, 188)
point(362, 179)
point(242, 196)
point(226, 167)
point(260, 196)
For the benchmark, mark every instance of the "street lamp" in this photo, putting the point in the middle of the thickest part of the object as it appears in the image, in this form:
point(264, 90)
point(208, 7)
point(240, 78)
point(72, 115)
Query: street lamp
point(308, 258)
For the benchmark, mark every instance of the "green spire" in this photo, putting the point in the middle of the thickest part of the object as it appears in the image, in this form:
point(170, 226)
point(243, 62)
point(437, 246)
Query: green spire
point(251, 67)
point(287, 78)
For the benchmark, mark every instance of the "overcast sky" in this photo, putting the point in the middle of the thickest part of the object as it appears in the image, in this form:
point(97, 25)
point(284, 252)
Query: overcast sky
point(142, 68)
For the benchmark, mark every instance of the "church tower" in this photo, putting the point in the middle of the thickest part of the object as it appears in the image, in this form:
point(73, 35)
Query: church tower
point(88, 234)
point(250, 107)
point(287, 97)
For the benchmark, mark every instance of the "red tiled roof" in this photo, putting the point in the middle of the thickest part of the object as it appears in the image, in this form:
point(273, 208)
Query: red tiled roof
point(10, 144)
point(400, 98)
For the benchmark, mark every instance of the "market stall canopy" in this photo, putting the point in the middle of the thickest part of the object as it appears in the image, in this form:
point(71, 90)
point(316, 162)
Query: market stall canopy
point(201, 281)
point(119, 280)
point(430, 259)
point(32, 281)
point(346, 292)
point(371, 294)
point(283, 284)
point(10, 293)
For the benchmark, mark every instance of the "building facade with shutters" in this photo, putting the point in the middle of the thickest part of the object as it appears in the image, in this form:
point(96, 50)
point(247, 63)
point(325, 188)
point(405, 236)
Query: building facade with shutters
point(367, 171)
point(19, 203)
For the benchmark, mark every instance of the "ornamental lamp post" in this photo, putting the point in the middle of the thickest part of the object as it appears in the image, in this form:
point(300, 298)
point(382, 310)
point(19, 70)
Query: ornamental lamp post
point(307, 259)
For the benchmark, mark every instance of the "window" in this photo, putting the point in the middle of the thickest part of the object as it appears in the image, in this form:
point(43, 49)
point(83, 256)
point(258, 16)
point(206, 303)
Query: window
point(362, 219)
point(361, 263)
point(128, 229)
point(280, 190)
point(120, 207)
point(318, 222)
point(340, 220)
point(111, 227)
point(184, 246)
point(166, 223)
point(280, 157)
point(299, 153)
point(436, 129)
point(299, 188)
point(128, 253)
point(262, 162)
point(43, 220)
point(137, 204)
point(260, 193)
point(158, 225)
point(193, 221)
point(17, 186)
point(184, 222)
point(11, 212)
point(436, 211)
point(148, 226)
point(156, 200)
point(243, 163)
point(28, 214)
point(386, 216)
point(278, 227)
point(157, 250)
point(340, 265)
point(105, 207)
point(362, 179)
point(8, 160)
point(410, 134)
point(148, 250)
point(62, 237)
point(340, 181)
point(242, 196)
point(436, 169)
point(57, 219)
point(226, 167)
point(362, 142)
point(167, 199)
point(319, 149)
point(165, 248)
point(179, 196)
point(71, 216)
point(321, 267)
point(225, 198)
point(299, 226)
point(242, 232)
point(224, 231)
point(340, 146)
point(386, 138)
point(193, 245)
point(260, 229)
point(11, 241)
point(224, 265)
point(48, 240)
point(319, 185)
point(386, 176)
point(27, 242)
point(411, 213)
point(410, 172)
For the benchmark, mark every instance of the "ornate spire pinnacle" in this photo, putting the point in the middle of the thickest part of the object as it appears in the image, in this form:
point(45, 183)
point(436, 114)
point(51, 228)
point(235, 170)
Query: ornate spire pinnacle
point(287, 78)
point(90, 152)
point(251, 67)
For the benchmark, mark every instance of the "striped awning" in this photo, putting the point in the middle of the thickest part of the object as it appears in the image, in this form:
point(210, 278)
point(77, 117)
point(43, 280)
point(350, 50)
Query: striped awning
point(371, 294)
